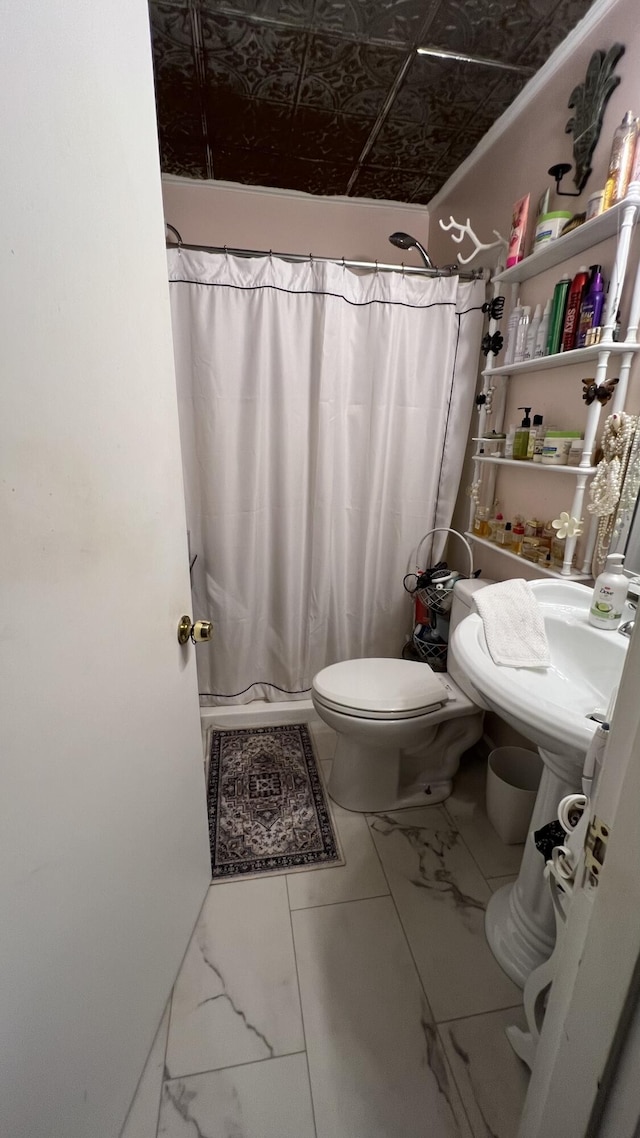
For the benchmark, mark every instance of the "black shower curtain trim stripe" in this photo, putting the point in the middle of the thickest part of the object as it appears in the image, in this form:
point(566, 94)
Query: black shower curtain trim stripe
point(320, 292)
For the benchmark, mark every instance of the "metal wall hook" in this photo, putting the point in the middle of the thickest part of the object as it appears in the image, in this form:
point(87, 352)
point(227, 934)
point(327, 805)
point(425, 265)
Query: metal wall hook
point(558, 172)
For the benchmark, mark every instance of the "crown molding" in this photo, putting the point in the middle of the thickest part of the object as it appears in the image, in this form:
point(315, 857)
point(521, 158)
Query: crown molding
point(240, 187)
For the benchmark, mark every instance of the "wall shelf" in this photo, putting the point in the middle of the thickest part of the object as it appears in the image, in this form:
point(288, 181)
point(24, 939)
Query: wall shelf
point(596, 361)
point(565, 359)
point(541, 467)
point(573, 576)
point(578, 241)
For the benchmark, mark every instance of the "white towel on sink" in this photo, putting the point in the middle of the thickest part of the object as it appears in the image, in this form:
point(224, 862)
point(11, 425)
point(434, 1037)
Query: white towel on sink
point(513, 625)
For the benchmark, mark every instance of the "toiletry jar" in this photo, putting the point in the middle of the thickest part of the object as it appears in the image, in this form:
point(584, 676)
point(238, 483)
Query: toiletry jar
point(549, 227)
point(594, 204)
point(556, 447)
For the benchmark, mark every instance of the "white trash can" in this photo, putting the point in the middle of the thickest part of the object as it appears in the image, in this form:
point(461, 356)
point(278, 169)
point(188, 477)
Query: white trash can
point(513, 777)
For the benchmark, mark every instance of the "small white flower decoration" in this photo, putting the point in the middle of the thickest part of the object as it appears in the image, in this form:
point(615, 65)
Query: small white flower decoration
point(567, 526)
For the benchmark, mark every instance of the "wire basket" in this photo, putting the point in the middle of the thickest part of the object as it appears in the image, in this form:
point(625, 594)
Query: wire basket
point(437, 597)
point(431, 652)
point(429, 645)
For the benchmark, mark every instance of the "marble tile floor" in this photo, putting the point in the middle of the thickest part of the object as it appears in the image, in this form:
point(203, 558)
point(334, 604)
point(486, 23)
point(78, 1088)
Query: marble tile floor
point(359, 1001)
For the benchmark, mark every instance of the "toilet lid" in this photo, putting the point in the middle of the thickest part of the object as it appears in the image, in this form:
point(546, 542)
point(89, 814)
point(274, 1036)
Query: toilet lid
point(391, 686)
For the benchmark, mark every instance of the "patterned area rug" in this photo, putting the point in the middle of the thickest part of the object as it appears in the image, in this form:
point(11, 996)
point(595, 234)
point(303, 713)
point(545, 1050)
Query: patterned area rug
point(268, 812)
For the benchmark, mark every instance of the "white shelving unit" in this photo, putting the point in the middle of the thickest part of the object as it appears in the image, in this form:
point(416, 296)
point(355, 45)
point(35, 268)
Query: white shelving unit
point(619, 221)
point(522, 465)
point(572, 575)
point(565, 359)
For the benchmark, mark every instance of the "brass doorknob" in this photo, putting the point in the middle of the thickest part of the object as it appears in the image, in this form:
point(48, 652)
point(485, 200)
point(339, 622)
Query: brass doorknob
point(197, 632)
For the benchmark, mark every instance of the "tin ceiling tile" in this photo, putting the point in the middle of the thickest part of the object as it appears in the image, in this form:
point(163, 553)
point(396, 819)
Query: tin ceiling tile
point(346, 76)
point(329, 135)
point(442, 92)
point(255, 168)
point(235, 121)
point(382, 182)
point(497, 29)
point(566, 14)
point(287, 12)
point(384, 21)
point(257, 61)
point(409, 145)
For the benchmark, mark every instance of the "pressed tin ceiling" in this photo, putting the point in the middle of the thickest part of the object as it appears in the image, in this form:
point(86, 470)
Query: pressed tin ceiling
point(331, 96)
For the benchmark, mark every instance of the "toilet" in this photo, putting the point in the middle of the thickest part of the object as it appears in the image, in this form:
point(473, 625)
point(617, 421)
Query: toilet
point(401, 727)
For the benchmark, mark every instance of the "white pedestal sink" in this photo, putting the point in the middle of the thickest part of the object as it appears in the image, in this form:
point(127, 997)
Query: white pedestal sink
point(551, 706)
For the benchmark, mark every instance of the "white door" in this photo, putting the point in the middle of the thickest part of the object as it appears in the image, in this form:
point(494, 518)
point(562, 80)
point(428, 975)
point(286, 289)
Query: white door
point(103, 845)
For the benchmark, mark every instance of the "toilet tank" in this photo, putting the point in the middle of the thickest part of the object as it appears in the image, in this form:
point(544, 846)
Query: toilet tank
point(461, 607)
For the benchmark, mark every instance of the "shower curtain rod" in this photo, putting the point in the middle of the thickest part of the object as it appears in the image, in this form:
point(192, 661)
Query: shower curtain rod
point(449, 271)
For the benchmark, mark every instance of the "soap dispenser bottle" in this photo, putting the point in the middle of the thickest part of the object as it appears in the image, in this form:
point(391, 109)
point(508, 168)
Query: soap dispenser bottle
point(609, 594)
point(521, 437)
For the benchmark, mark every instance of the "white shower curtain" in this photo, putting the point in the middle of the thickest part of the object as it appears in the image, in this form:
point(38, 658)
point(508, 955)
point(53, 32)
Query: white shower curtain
point(324, 416)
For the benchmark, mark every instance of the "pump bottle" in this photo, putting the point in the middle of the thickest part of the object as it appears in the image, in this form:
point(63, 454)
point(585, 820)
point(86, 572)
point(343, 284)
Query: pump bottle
point(609, 594)
point(521, 438)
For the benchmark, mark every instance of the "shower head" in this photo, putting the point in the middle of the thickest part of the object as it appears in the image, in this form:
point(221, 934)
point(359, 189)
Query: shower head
point(406, 241)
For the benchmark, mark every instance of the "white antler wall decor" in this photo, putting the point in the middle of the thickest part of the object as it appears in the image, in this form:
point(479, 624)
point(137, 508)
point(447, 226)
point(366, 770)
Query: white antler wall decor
point(466, 230)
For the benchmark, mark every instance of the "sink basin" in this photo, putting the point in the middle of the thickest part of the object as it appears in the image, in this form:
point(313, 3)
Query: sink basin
point(551, 706)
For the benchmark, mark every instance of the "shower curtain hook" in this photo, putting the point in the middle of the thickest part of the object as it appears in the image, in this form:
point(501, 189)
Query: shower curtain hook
point(376, 267)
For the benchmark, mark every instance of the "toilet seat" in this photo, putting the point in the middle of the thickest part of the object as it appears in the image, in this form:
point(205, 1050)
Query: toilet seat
point(380, 689)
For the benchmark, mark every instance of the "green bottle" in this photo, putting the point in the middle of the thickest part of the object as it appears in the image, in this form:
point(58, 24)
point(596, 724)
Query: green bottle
point(521, 437)
point(558, 308)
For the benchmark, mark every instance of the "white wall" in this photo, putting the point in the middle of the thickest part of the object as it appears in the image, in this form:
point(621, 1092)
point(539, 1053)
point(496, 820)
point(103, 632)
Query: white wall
point(103, 851)
point(252, 217)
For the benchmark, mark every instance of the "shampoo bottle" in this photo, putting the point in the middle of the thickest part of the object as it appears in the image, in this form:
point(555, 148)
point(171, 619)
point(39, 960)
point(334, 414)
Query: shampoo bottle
point(532, 334)
point(512, 331)
point(578, 288)
point(543, 332)
point(609, 594)
point(521, 335)
point(592, 305)
point(556, 320)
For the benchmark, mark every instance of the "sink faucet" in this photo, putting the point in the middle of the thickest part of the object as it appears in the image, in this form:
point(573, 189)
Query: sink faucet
point(627, 628)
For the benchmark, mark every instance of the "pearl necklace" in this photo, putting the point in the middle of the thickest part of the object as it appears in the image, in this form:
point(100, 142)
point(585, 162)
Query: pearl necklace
point(606, 486)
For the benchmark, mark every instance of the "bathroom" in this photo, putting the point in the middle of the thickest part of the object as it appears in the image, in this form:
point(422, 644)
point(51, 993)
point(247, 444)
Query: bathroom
point(365, 1003)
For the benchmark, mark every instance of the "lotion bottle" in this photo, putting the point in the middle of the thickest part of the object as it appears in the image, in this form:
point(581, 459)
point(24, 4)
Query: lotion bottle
point(512, 331)
point(609, 594)
point(543, 332)
point(536, 439)
point(521, 335)
point(532, 334)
